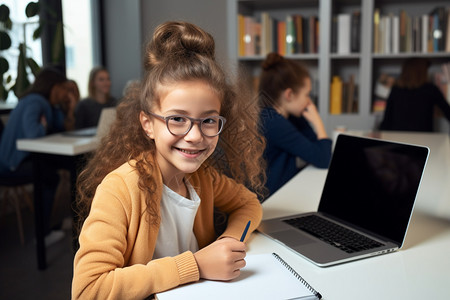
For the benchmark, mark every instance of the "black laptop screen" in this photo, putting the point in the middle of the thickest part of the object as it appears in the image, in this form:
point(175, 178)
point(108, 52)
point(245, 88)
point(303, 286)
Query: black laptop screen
point(373, 184)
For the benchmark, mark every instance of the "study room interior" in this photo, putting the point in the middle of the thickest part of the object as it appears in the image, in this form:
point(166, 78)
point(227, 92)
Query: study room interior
point(354, 51)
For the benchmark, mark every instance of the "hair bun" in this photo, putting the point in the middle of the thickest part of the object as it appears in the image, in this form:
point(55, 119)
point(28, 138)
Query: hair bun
point(180, 39)
point(272, 60)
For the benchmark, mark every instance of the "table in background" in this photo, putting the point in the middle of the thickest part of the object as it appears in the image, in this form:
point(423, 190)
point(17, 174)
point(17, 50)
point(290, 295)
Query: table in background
point(66, 153)
point(420, 270)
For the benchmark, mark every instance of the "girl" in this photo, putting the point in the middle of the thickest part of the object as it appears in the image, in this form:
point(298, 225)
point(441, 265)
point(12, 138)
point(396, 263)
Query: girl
point(88, 110)
point(152, 185)
point(286, 117)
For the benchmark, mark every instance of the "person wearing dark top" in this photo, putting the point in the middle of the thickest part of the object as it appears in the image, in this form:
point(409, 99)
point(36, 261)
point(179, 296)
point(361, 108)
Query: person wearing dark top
point(46, 107)
point(411, 102)
point(88, 110)
point(290, 121)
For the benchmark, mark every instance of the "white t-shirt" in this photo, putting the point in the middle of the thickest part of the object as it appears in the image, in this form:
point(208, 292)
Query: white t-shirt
point(176, 232)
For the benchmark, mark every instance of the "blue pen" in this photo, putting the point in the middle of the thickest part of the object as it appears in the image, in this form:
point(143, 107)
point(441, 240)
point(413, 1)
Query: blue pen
point(245, 231)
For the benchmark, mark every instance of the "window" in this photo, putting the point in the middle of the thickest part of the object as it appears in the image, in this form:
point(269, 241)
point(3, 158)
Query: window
point(21, 32)
point(80, 41)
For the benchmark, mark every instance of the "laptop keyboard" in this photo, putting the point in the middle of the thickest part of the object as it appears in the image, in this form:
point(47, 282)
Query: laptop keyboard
point(333, 234)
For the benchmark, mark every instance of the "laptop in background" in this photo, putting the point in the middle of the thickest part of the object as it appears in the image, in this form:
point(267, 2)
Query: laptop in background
point(107, 117)
point(369, 195)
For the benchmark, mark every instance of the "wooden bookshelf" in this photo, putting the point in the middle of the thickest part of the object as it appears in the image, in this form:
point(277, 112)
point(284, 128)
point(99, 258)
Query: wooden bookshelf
point(361, 66)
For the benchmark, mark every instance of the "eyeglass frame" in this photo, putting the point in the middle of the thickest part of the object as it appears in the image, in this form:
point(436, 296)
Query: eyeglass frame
point(193, 120)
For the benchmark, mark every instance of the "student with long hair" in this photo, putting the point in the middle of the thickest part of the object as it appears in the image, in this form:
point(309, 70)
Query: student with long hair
point(46, 107)
point(413, 98)
point(290, 121)
point(148, 194)
point(88, 110)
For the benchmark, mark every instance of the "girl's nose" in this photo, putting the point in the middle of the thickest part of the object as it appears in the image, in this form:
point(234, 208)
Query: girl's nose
point(195, 134)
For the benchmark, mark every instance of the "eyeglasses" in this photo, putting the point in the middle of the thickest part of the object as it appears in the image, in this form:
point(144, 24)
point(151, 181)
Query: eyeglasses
point(180, 124)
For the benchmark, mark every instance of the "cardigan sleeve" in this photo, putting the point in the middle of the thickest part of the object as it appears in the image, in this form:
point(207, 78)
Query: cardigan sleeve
point(116, 247)
point(238, 202)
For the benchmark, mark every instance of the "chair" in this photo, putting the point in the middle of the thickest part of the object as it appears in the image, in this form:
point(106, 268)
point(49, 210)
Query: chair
point(13, 190)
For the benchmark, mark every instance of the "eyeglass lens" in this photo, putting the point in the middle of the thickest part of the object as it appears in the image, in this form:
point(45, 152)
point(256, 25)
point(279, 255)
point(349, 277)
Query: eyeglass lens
point(179, 125)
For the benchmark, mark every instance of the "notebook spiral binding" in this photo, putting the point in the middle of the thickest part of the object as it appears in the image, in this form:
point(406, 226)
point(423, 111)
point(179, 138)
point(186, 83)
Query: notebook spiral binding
point(284, 263)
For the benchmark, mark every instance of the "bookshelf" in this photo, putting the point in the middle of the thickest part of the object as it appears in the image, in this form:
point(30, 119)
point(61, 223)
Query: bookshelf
point(359, 66)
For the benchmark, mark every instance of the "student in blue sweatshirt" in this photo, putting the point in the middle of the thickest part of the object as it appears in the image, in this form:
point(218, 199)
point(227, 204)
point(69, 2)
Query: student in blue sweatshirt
point(294, 131)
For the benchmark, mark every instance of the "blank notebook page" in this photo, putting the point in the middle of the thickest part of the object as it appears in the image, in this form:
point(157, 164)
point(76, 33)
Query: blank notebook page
point(264, 277)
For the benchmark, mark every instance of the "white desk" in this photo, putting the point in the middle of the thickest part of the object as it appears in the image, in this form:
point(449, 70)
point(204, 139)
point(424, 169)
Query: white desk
point(420, 270)
point(58, 144)
point(63, 152)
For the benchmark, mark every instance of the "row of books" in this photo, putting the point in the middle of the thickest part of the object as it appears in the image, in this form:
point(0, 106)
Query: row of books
point(343, 96)
point(346, 33)
point(292, 35)
point(405, 33)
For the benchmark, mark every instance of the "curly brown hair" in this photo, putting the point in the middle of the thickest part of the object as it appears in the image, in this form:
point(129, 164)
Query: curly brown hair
point(177, 52)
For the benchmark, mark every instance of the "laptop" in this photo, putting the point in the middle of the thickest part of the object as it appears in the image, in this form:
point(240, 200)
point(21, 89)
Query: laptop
point(107, 117)
point(369, 195)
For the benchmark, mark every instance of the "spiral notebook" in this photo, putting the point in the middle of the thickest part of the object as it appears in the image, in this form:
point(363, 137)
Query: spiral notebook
point(266, 276)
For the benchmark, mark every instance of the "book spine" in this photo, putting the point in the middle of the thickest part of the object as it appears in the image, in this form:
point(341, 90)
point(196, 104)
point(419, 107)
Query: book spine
point(376, 31)
point(290, 35)
point(343, 43)
point(336, 96)
point(355, 31)
point(395, 34)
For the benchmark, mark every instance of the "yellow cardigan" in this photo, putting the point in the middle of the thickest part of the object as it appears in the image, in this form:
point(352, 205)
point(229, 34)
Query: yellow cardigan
point(117, 242)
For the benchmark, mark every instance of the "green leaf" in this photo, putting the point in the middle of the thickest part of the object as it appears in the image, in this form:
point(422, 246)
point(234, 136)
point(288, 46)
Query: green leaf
point(4, 66)
point(33, 66)
point(5, 40)
point(3, 92)
point(22, 82)
point(32, 9)
point(37, 33)
point(4, 13)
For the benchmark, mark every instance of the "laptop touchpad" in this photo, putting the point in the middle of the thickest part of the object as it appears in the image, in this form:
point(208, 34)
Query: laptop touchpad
point(291, 238)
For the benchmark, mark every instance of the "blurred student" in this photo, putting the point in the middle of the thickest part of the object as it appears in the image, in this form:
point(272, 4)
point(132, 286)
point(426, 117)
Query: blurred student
point(149, 192)
point(88, 110)
point(46, 107)
point(290, 121)
point(412, 100)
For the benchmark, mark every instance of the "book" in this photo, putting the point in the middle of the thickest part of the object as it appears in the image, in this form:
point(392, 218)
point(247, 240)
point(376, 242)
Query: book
point(376, 31)
point(336, 96)
point(266, 33)
point(343, 42)
point(265, 276)
point(290, 35)
point(355, 32)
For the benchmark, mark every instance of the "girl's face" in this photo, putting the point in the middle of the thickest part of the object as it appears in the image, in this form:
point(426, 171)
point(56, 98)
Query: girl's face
point(300, 100)
point(180, 155)
point(102, 82)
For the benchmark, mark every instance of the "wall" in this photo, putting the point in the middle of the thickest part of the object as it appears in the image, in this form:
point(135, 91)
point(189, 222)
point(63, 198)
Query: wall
point(122, 42)
point(209, 15)
point(129, 24)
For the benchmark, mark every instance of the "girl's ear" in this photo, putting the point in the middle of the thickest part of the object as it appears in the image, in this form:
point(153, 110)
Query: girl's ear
point(146, 124)
point(287, 94)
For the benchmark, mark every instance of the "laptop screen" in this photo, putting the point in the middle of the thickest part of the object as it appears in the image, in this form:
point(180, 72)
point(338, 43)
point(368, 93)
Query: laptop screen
point(373, 184)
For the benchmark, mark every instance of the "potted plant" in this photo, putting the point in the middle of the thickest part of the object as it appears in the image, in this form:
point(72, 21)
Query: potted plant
point(26, 65)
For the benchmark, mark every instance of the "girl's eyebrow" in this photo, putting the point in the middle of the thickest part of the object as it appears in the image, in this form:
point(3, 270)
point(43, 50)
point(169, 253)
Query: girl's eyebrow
point(184, 112)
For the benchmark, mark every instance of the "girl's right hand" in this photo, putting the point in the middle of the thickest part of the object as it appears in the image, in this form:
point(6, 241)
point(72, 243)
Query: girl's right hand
point(221, 260)
point(44, 121)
